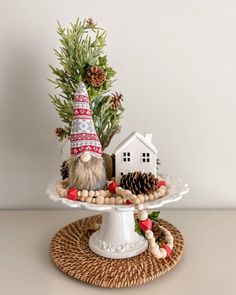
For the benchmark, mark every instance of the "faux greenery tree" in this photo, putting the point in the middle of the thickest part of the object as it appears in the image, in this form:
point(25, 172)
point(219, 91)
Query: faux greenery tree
point(81, 58)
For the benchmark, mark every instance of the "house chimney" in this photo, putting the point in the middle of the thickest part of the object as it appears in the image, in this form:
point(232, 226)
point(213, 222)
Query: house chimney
point(148, 137)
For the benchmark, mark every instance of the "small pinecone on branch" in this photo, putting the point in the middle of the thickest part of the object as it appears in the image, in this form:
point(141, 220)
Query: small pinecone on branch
point(116, 100)
point(95, 76)
point(59, 132)
point(139, 183)
point(64, 170)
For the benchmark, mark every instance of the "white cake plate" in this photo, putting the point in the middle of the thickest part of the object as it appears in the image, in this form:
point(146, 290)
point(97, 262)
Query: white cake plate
point(117, 237)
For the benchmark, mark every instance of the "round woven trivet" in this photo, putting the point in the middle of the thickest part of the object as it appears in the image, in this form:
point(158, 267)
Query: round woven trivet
point(70, 252)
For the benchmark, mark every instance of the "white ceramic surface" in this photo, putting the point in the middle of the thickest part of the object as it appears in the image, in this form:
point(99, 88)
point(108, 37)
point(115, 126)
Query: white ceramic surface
point(117, 238)
point(176, 189)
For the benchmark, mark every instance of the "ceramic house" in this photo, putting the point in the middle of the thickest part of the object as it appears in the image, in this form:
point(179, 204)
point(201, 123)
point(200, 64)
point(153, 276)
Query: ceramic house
point(135, 153)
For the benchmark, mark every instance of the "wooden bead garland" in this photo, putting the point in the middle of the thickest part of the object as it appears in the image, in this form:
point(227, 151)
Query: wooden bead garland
point(158, 252)
point(114, 195)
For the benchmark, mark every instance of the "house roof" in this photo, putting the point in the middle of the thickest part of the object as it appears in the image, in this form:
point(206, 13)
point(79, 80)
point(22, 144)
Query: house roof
point(131, 137)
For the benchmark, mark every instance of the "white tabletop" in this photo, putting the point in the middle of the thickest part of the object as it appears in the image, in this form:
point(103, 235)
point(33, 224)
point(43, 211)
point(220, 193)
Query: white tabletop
point(207, 267)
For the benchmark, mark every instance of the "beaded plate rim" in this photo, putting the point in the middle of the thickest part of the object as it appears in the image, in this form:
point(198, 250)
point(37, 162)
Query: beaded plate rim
point(176, 190)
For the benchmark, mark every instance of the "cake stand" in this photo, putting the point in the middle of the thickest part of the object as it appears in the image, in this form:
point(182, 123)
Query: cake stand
point(116, 237)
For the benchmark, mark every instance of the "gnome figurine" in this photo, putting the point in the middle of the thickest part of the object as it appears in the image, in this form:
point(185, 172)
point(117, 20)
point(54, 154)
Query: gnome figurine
point(86, 166)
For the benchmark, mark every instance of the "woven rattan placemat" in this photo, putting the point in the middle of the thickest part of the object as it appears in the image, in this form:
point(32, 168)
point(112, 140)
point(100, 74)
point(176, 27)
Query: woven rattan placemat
point(70, 252)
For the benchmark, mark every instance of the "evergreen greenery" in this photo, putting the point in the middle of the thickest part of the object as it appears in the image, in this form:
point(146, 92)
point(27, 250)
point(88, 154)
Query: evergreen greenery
point(82, 46)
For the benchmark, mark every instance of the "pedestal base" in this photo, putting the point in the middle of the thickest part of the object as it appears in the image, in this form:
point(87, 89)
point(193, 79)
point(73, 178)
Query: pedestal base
point(117, 237)
point(70, 252)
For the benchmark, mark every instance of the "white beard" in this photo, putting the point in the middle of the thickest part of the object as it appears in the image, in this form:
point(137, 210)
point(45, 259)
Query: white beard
point(87, 176)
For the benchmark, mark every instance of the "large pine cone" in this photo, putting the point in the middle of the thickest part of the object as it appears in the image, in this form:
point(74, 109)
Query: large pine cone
point(95, 76)
point(139, 183)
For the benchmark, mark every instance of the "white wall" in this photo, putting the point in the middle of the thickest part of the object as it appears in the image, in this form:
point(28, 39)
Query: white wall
point(176, 64)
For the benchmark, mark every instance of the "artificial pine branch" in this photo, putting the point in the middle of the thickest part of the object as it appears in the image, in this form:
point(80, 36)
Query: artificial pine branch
point(82, 47)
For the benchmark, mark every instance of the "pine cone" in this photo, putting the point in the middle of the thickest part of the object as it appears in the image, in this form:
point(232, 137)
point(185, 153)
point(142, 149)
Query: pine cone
point(64, 170)
point(95, 76)
point(116, 100)
point(59, 131)
point(90, 22)
point(139, 183)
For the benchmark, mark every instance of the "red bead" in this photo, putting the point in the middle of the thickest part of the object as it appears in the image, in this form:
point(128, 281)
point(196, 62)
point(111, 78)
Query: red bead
point(160, 183)
point(145, 224)
point(167, 248)
point(112, 187)
point(128, 202)
point(72, 194)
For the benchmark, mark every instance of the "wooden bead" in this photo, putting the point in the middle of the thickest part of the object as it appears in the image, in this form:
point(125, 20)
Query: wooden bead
point(152, 242)
point(119, 200)
point(155, 250)
point(106, 200)
point(162, 192)
point(158, 255)
point(59, 185)
point(123, 193)
point(59, 190)
point(91, 193)
point(108, 193)
point(163, 252)
point(136, 201)
point(102, 193)
point(149, 234)
point(155, 195)
point(146, 198)
point(64, 193)
point(82, 199)
point(94, 200)
point(112, 200)
point(169, 238)
point(159, 194)
point(79, 193)
point(128, 191)
point(100, 200)
point(124, 200)
point(119, 190)
point(139, 207)
point(163, 187)
point(141, 198)
point(150, 196)
point(128, 195)
point(171, 245)
point(88, 200)
point(142, 215)
point(84, 193)
point(97, 193)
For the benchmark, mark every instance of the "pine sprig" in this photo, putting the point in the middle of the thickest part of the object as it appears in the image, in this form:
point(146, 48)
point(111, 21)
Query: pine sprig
point(82, 46)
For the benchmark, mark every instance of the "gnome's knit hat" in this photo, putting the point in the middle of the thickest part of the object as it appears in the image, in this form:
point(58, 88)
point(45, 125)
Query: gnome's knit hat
point(83, 134)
